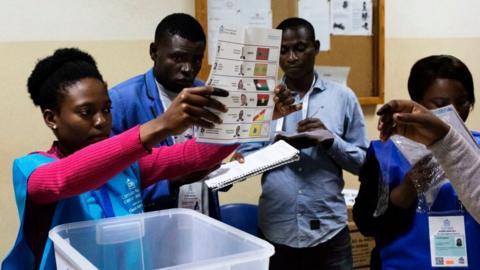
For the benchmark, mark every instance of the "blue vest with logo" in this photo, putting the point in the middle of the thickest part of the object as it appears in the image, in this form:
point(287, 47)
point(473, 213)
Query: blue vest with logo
point(411, 250)
point(144, 104)
point(120, 196)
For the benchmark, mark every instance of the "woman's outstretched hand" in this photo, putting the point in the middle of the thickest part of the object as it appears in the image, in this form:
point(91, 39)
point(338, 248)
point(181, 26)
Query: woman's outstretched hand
point(187, 109)
point(411, 120)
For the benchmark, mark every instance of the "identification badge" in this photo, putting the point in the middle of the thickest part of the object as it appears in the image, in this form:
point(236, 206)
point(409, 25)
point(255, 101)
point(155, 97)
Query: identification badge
point(448, 246)
point(194, 196)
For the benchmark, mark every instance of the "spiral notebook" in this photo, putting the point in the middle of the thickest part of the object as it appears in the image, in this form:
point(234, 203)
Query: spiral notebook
point(272, 156)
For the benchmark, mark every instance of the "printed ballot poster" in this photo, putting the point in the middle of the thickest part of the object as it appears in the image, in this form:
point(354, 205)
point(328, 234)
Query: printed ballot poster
point(245, 65)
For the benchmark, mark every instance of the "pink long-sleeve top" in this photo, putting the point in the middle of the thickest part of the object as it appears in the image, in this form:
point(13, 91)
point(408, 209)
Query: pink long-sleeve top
point(86, 170)
point(92, 166)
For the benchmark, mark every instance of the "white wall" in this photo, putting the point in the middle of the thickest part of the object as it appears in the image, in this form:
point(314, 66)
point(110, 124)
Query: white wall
point(432, 18)
point(415, 29)
point(30, 20)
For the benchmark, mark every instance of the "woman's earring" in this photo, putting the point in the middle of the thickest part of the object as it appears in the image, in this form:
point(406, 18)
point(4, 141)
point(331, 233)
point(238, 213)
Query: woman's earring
point(54, 127)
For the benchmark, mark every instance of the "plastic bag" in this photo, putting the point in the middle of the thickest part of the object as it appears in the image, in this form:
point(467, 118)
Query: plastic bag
point(427, 175)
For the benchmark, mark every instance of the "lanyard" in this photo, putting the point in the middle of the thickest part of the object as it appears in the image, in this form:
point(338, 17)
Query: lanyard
point(305, 102)
point(104, 201)
point(161, 109)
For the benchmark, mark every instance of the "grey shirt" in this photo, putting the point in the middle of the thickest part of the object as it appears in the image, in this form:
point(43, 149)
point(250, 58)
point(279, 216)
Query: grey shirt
point(301, 204)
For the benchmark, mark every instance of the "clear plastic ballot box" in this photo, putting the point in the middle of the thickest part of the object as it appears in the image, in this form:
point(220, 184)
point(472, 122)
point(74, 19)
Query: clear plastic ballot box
point(168, 239)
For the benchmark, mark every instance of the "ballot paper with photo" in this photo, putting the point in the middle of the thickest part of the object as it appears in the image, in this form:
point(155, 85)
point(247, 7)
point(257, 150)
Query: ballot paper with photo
point(246, 65)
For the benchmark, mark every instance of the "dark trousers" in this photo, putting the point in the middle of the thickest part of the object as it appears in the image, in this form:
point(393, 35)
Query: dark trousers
point(335, 254)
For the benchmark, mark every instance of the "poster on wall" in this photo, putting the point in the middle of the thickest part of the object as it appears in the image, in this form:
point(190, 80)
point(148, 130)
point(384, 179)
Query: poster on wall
point(317, 12)
point(351, 17)
point(333, 73)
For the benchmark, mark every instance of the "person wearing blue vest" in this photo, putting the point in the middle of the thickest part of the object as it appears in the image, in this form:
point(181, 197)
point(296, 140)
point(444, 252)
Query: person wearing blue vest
point(177, 54)
point(387, 204)
point(86, 175)
point(458, 159)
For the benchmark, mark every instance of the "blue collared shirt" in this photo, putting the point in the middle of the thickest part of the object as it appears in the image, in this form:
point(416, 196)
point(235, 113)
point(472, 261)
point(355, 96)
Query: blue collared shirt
point(301, 204)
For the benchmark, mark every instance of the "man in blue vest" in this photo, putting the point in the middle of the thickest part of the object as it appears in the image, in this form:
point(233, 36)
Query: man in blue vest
point(177, 54)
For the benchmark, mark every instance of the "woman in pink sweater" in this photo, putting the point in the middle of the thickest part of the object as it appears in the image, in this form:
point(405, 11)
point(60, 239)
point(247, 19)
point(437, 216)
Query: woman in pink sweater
point(87, 175)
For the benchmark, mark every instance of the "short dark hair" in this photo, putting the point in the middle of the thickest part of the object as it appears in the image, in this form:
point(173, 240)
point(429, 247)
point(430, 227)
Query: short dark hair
point(180, 24)
point(54, 73)
point(426, 70)
point(295, 22)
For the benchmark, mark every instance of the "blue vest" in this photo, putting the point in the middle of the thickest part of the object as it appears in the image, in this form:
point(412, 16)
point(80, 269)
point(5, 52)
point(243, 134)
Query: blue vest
point(137, 101)
point(411, 250)
point(118, 197)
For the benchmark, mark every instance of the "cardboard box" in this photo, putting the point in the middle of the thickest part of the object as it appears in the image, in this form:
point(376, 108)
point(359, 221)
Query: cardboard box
point(350, 195)
point(361, 247)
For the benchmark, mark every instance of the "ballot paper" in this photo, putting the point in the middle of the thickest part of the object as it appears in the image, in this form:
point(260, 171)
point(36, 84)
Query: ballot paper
point(245, 65)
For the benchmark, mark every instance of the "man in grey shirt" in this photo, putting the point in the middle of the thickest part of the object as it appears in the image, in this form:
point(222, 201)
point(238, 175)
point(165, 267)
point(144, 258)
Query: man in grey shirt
point(301, 209)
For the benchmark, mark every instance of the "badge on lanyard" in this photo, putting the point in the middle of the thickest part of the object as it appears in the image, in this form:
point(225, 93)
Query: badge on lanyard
point(194, 196)
point(448, 246)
